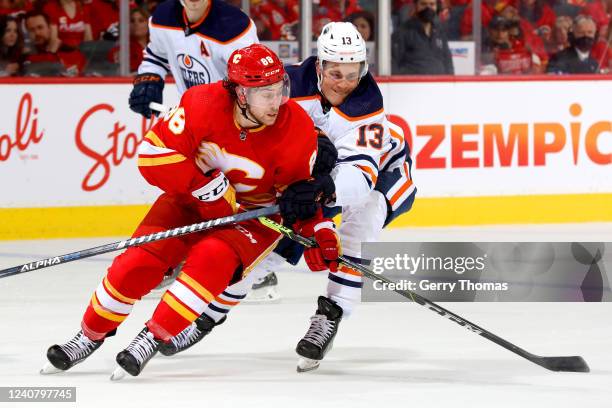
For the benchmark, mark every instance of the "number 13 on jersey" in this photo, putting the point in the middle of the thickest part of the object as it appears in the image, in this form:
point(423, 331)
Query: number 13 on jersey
point(372, 135)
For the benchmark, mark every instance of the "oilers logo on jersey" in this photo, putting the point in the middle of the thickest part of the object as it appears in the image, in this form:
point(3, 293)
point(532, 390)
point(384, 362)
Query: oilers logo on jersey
point(193, 71)
point(195, 54)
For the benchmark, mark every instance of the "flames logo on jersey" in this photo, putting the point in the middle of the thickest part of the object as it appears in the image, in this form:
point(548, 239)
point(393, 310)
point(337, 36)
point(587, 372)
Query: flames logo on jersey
point(235, 167)
point(193, 71)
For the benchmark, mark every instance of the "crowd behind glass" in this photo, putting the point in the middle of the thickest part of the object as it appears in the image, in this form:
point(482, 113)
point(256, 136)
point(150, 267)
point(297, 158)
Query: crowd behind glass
point(80, 37)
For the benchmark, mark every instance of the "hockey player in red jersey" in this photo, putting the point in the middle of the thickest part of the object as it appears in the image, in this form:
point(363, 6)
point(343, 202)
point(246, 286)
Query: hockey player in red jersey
point(226, 143)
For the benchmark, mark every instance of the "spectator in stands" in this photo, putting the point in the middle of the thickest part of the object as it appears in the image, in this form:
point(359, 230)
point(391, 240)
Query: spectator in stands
point(504, 54)
point(104, 19)
point(487, 10)
point(332, 10)
point(69, 24)
point(263, 32)
point(559, 38)
point(523, 35)
point(364, 21)
point(602, 51)
point(15, 8)
point(539, 15)
point(271, 15)
point(401, 11)
point(150, 5)
point(419, 46)
point(11, 47)
point(577, 58)
point(139, 38)
point(39, 29)
point(600, 11)
point(336, 10)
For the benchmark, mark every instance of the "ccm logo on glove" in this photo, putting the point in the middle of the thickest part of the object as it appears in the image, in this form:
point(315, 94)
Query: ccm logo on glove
point(214, 189)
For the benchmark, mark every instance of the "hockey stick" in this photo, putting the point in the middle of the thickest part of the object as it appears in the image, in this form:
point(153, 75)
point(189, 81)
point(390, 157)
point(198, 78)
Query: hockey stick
point(145, 239)
point(562, 363)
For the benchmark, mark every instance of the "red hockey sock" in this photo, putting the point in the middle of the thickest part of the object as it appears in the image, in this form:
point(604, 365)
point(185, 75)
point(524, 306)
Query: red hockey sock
point(132, 275)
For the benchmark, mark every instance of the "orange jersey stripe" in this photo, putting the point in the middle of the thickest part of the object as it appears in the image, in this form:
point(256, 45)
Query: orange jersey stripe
point(369, 171)
point(349, 271)
point(306, 98)
point(401, 191)
point(396, 135)
point(163, 27)
point(226, 302)
point(357, 118)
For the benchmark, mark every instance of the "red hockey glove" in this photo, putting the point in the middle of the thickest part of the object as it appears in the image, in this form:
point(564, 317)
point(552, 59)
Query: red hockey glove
point(325, 255)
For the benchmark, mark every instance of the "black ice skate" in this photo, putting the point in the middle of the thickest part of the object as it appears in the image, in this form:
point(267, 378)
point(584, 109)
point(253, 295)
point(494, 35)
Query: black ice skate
point(264, 290)
point(64, 356)
point(199, 329)
point(136, 356)
point(320, 335)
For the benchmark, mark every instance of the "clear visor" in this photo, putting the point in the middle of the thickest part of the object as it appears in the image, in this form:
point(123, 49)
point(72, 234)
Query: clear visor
point(343, 71)
point(269, 96)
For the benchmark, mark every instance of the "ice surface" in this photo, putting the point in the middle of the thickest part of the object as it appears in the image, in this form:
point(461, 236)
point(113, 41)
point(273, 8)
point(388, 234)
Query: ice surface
point(385, 354)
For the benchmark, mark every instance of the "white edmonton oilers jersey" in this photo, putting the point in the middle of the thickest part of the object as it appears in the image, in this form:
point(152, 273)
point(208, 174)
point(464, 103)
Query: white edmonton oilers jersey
point(198, 53)
point(366, 141)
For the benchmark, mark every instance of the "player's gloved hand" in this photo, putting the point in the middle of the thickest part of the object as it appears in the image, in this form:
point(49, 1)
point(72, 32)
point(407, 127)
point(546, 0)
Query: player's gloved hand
point(325, 255)
point(302, 199)
point(326, 156)
point(215, 196)
point(147, 88)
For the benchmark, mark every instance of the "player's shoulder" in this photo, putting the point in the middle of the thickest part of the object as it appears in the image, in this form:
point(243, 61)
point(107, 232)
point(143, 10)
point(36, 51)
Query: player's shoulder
point(292, 122)
point(303, 78)
point(296, 114)
point(168, 14)
point(224, 22)
point(366, 100)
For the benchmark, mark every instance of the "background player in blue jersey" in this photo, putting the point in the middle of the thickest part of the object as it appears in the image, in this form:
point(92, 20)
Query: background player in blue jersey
point(192, 39)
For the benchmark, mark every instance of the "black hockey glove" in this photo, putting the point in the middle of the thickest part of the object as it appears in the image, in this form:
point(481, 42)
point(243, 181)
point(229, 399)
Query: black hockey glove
point(147, 88)
point(301, 200)
point(326, 156)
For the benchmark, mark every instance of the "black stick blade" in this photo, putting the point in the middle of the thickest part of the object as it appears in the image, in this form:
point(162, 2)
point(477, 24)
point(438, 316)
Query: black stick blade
point(574, 364)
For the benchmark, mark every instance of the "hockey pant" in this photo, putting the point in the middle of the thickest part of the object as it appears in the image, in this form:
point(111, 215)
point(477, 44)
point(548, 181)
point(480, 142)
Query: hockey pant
point(214, 259)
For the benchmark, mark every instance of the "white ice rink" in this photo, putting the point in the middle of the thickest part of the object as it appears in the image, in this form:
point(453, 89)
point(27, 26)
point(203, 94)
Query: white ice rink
point(387, 354)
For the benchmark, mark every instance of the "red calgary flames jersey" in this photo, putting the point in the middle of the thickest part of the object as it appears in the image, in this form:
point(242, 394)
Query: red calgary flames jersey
point(200, 134)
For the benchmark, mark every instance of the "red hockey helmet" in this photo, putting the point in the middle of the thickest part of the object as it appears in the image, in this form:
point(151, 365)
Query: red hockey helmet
point(260, 76)
point(255, 65)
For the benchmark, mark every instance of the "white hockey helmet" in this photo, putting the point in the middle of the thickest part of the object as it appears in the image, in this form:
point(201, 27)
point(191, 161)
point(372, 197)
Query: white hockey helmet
point(341, 42)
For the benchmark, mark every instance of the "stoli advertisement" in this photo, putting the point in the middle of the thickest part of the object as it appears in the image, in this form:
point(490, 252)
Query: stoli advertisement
point(74, 144)
point(71, 145)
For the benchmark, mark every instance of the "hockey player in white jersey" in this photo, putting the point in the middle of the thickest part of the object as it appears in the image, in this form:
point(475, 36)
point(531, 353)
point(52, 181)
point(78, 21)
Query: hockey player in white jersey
point(372, 182)
point(192, 39)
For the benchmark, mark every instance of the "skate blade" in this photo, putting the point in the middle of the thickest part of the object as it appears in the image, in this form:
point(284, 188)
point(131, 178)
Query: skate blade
point(118, 374)
point(263, 295)
point(307, 364)
point(49, 369)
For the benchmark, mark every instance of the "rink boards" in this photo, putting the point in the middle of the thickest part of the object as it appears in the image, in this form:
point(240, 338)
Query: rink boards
point(493, 151)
